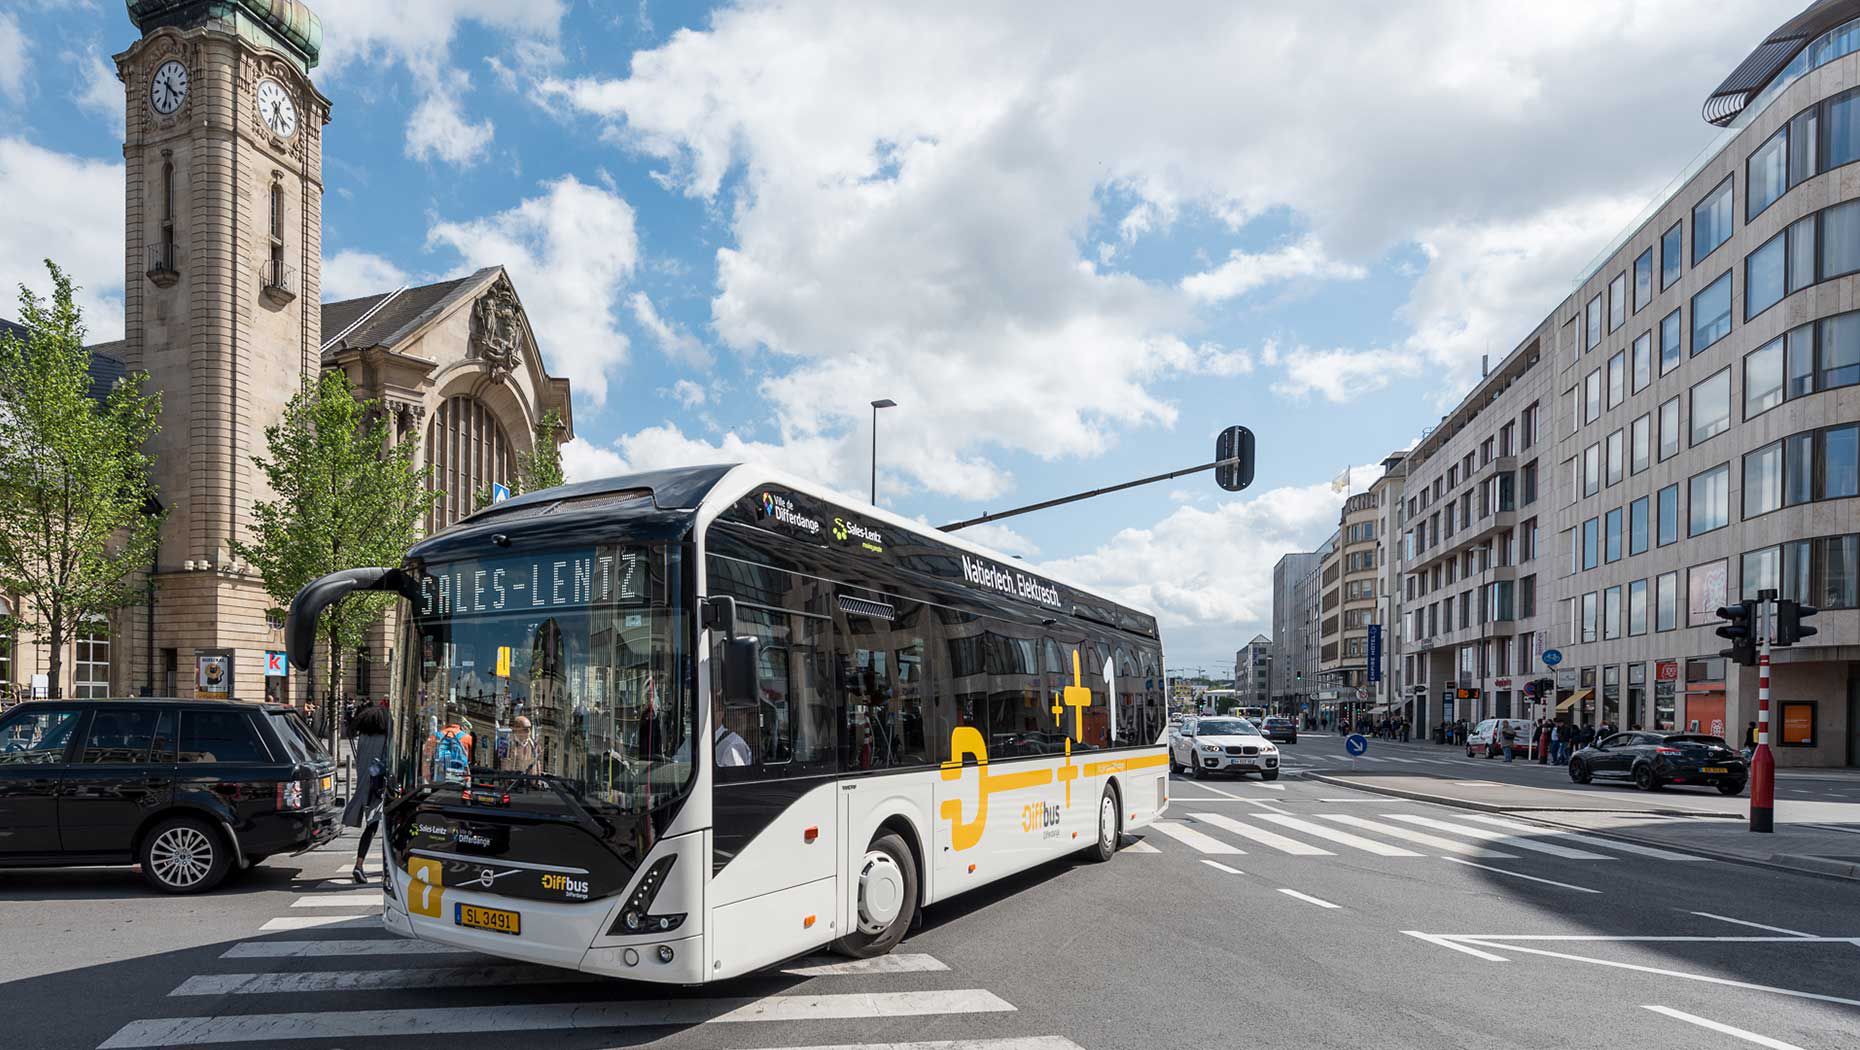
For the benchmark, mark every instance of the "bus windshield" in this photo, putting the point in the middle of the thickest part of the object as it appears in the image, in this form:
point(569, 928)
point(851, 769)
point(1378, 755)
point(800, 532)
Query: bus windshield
point(558, 673)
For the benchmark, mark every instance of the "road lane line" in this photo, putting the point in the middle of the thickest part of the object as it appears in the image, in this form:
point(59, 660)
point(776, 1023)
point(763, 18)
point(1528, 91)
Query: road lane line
point(1509, 841)
point(1593, 841)
point(1140, 846)
point(1194, 839)
point(833, 966)
point(1724, 1029)
point(334, 949)
point(1308, 899)
point(475, 1020)
point(1752, 925)
point(338, 900)
point(1036, 1042)
point(1705, 978)
point(1418, 837)
point(1262, 836)
point(1218, 866)
point(1521, 875)
point(307, 922)
point(368, 980)
point(1443, 942)
point(1380, 849)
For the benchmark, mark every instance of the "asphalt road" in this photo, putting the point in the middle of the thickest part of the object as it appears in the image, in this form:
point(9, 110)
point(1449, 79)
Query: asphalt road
point(1294, 914)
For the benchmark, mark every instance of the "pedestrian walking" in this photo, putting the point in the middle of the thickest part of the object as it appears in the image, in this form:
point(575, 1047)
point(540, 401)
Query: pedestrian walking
point(371, 728)
point(1509, 734)
point(1543, 742)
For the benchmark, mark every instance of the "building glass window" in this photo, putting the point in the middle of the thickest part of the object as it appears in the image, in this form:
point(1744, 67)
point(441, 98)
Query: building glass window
point(1617, 301)
point(1643, 280)
point(1712, 219)
point(1763, 378)
point(1841, 130)
point(1763, 571)
point(1637, 525)
point(1711, 407)
point(467, 451)
point(1767, 175)
point(1840, 240)
point(1640, 444)
point(1672, 254)
point(1616, 455)
point(1643, 361)
point(1669, 429)
point(1611, 613)
point(1588, 616)
point(1801, 234)
point(1710, 500)
point(1799, 362)
point(1666, 602)
point(1765, 276)
point(1611, 531)
point(1617, 378)
point(1799, 469)
point(1592, 397)
point(1671, 342)
point(1711, 314)
point(1592, 470)
point(1592, 326)
point(1591, 543)
point(91, 666)
point(1667, 526)
point(1838, 351)
point(1707, 589)
point(1637, 607)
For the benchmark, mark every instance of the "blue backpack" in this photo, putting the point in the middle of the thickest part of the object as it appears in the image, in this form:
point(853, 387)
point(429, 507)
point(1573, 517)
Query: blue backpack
point(449, 759)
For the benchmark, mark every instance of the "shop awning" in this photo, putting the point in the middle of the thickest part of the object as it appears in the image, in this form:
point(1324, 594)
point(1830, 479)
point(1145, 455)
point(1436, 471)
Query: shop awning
point(1574, 698)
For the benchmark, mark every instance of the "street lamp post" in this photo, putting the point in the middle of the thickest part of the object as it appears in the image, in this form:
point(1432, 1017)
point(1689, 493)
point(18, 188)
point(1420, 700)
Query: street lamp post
point(883, 402)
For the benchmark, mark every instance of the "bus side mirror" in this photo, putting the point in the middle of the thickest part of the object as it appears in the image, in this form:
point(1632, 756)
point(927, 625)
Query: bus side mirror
point(739, 670)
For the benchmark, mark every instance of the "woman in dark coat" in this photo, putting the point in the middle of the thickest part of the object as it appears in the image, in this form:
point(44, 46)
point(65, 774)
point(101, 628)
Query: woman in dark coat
point(370, 755)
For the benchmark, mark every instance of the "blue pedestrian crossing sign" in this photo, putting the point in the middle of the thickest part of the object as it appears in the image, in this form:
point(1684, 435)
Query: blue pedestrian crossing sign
point(499, 492)
point(1356, 744)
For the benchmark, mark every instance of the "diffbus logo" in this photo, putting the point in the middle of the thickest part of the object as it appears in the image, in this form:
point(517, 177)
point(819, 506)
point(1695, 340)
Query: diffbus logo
point(1040, 816)
point(576, 888)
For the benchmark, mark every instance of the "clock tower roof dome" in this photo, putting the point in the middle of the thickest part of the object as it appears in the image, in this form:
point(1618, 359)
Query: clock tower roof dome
point(288, 25)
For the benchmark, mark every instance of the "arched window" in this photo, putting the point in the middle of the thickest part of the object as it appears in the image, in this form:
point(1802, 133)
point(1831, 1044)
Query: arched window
point(167, 211)
point(277, 275)
point(466, 450)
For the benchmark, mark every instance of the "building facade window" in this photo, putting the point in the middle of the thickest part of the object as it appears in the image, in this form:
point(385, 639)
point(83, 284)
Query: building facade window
point(1592, 469)
point(467, 451)
point(1617, 379)
point(1766, 276)
point(1767, 173)
point(1763, 477)
point(1671, 342)
point(1638, 525)
point(1592, 324)
point(1711, 314)
point(1706, 592)
point(1643, 280)
point(1640, 444)
point(1666, 602)
point(1611, 613)
point(1617, 455)
point(1617, 301)
point(1672, 255)
point(1762, 570)
point(1710, 500)
point(1763, 378)
point(1592, 397)
point(1667, 521)
point(1712, 219)
point(1612, 529)
point(1591, 543)
point(90, 672)
point(1669, 429)
point(1711, 407)
point(1637, 607)
point(1643, 361)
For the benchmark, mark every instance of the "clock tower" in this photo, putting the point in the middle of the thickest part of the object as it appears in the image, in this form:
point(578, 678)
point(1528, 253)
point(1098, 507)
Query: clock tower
point(223, 154)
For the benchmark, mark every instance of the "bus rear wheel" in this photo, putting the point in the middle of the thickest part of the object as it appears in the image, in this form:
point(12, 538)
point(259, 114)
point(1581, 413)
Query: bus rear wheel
point(886, 901)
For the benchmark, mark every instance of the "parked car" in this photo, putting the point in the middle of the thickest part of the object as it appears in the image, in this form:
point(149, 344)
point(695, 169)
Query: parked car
point(1279, 728)
point(1653, 759)
point(1479, 740)
point(1222, 745)
point(191, 790)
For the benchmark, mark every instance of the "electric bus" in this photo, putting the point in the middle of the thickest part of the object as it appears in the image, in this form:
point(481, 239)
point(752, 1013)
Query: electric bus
point(681, 725)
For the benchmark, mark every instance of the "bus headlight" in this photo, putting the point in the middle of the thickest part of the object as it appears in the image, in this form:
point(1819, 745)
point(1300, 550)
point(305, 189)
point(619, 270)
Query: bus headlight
point(637, 916)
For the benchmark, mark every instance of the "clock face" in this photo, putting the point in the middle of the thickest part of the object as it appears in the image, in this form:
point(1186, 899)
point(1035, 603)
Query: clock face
point(169, 88)
point(275, 109)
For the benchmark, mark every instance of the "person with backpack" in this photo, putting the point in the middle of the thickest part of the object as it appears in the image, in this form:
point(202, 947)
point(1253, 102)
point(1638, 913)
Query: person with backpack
point(370, 727)
point(452, 752)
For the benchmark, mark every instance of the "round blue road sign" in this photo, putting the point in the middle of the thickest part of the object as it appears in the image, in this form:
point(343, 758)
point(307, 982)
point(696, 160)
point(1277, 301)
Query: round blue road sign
point(1552, 657)
point(1355, 744)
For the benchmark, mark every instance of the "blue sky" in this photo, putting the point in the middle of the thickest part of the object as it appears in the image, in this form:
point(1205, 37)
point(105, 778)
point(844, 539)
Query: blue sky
point(1072, 242)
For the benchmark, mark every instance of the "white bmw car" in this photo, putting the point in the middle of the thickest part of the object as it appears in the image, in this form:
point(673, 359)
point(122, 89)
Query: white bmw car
point(1222, 745)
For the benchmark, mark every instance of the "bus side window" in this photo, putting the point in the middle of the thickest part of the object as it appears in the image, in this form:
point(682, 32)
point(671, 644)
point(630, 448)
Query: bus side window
point(790, 730)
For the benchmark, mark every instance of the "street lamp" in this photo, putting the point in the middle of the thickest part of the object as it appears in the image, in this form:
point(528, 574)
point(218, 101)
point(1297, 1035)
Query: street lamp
point(883, 402)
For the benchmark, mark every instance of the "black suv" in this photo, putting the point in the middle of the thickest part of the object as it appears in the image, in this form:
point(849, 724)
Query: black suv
point(188, 789)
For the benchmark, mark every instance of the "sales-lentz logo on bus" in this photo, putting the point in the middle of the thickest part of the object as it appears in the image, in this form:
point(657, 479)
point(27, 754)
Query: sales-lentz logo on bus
point(982, 574)
point(783, 510)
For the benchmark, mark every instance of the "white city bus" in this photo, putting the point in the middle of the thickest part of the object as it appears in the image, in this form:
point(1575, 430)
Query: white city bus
point(761, 720)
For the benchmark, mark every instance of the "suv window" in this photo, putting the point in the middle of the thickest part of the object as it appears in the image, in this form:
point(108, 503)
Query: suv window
point(119, 735)
point(220, 736)
point(37, 737)
point(298, 741)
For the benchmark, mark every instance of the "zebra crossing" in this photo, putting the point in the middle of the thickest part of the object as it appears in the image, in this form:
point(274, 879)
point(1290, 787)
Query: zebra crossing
point(1392, 835)
point(325, 969)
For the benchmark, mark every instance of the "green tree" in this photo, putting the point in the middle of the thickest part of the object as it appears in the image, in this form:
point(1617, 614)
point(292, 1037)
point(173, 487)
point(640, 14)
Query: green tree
point(539, 468)
point(347, 496)
point(77, 517)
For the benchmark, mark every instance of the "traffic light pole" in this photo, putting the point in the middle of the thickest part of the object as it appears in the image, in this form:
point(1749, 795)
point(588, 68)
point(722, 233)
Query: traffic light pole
point(1763, 764)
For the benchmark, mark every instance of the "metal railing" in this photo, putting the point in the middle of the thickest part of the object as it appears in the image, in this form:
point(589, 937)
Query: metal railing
point(164, 262)
point(279, 278)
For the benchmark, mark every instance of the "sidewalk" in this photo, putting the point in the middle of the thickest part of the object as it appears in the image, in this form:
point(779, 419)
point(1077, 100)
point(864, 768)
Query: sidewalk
point(1821, 838)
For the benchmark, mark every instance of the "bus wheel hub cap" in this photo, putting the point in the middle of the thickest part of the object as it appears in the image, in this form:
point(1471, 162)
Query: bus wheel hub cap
point(881, 892)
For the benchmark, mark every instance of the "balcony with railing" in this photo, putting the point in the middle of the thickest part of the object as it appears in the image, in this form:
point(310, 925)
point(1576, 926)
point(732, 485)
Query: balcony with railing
point(278, 281)
point(164, 263)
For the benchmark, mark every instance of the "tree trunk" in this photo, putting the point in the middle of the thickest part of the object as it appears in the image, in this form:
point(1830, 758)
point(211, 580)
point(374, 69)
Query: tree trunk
point(55, 663)
point(335, 676)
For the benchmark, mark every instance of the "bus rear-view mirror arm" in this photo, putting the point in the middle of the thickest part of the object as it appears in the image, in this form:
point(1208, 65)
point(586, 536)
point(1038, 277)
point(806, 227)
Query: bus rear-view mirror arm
point(740, 658)
point(324, 591)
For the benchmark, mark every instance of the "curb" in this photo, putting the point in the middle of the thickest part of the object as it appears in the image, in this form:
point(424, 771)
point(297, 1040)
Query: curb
point(1796, 864)
point(1494, 807)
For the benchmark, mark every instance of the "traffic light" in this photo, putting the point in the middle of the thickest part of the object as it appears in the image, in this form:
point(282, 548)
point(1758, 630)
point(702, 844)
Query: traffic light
point(1740, 628)
point(1789, 626)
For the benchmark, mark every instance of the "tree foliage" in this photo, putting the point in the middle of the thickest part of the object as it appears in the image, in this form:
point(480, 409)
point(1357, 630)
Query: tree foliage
point(347, 497)
point(77, 519)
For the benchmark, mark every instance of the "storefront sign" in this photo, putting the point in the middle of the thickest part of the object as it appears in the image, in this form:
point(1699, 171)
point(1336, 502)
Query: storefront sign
point(1566, 679)
point(1798, 723)
point(1666, 671)
point(213, 674)
point(1375, 652)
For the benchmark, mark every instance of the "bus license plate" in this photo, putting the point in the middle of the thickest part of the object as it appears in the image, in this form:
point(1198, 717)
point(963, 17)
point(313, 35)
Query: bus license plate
point(497, 920)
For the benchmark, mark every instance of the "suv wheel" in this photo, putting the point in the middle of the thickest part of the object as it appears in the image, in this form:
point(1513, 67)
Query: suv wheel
point(183, 855)
point(1645, 779)
point(1579, 771)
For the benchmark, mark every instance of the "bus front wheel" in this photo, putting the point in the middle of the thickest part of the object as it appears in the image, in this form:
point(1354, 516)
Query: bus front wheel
point(887, 899)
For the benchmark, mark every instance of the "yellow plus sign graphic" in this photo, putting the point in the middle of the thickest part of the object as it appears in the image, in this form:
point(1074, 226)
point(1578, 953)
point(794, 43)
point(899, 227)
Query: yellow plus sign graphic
point(1078, 698)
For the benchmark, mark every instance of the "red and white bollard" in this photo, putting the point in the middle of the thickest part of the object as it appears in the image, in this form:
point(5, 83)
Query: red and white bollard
point(1762, 764)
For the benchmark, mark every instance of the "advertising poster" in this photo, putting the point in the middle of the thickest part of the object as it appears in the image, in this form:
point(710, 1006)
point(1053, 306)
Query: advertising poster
point(213, 675)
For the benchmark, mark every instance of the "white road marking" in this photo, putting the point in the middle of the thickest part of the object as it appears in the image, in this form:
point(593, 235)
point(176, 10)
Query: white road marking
point(338, 900)
point(332, 949)
point(1521, 875)
point(1262, 836)
point(1725, 1029)
point(1140, 847)
point(308, 922)
point(1752, 925)
point(1195, 840)
point(1308, 899)
point(833, 966)
point(1635, 938)
point(1222, 867)
point(1418, 837)
point(476, 1020)
point(1367, 845)
point(1509, 841)
point(1444, 942)
point(370, 980)
point(1594, 841)
point(1403, 761)
point(1705, 978)
point(1037, 1042)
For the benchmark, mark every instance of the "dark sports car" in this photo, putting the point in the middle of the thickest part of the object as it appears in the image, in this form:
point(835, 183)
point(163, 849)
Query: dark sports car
point(1654, 759)
point(1279, 728)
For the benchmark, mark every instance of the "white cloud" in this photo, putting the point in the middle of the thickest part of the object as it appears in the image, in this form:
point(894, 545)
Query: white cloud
point(571, 251)
point(665, 445)
point(688, 394)
point(99, 92)
point(353, 274)
point(672, 340)
point(999, 536)
point(1342, 375)
point(1245, 271)
point(13, 46)
point(76, 218)
point(437, 129)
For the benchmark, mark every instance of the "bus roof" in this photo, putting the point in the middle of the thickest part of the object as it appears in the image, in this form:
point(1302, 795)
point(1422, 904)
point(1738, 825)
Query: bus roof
point(710, 488)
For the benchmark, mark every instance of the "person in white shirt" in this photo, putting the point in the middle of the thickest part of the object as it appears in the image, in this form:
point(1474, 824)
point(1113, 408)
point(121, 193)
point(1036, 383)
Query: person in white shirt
point(729, 748)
